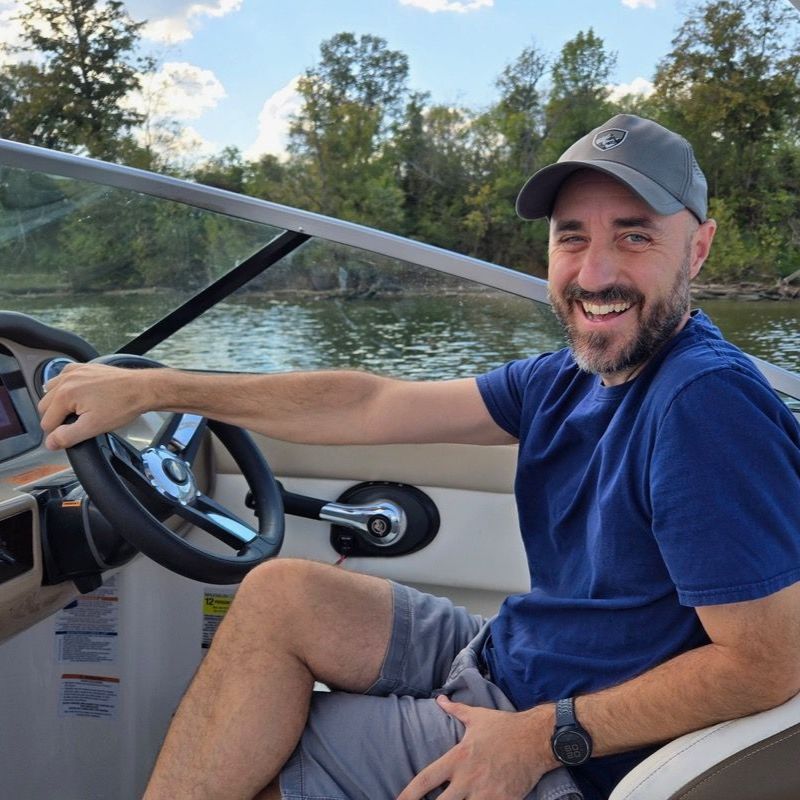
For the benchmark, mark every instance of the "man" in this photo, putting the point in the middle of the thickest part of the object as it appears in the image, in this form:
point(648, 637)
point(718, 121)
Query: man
point(657, 492)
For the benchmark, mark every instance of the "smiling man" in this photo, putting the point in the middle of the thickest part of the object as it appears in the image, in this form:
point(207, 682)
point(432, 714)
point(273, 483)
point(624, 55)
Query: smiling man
point(657, 487)
point(627, 272)
point(620, 286)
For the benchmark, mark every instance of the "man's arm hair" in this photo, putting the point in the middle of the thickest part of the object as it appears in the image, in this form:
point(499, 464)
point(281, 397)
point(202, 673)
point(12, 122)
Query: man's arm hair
point(750, 665)
point(349, 407)
point(335, 407)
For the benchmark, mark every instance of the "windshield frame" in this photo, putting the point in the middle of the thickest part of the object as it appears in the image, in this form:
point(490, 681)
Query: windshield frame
point(252, 209)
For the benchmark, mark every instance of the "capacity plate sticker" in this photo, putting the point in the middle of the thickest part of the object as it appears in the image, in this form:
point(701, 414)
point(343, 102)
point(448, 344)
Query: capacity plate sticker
point(215, 606)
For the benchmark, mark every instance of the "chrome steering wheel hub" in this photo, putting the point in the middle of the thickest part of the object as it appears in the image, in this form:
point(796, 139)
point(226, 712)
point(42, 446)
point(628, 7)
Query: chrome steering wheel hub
point(168, 475)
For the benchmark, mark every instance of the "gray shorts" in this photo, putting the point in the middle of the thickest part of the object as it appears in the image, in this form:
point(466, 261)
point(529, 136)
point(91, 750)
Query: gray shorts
point(370, 746)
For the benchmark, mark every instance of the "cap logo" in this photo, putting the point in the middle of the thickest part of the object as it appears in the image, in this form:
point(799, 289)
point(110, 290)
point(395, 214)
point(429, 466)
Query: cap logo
point(609, 139)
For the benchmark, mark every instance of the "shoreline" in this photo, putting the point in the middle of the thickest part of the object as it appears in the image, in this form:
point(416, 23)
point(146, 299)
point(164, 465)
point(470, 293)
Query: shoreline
point(745, 292)
point(742, 292)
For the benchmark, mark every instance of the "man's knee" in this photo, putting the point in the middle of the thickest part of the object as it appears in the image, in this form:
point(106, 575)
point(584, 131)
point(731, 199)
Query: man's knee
point(277, 589)
point(296, 591)
point(336, 622)
point(278, 574)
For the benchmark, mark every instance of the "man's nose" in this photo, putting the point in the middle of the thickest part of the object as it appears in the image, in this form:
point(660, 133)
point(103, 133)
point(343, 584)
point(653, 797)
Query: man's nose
point(599, 269)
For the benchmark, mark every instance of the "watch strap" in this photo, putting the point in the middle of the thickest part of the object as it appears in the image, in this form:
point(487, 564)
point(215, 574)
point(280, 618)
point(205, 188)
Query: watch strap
point(565, 712)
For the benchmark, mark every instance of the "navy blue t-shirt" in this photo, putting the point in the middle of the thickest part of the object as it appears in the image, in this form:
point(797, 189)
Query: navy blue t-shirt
point(637, 502)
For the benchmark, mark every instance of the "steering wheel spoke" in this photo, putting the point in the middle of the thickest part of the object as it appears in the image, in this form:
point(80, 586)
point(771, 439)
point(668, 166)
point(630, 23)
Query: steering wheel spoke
point(126, 459)
point(217, 520)
point(182, 434)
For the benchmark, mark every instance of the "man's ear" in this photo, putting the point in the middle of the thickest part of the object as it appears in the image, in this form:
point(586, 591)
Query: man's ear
point(701, 245)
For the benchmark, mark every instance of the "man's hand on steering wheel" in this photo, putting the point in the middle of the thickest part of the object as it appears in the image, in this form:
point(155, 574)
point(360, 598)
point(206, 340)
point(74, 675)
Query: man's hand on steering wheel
point(102, 397)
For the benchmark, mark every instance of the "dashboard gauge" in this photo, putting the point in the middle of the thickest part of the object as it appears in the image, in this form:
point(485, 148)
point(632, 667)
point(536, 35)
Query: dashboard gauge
point(49, 370)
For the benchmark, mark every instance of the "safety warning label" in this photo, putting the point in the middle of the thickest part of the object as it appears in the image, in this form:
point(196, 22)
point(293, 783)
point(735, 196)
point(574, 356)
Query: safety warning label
point(88, 696)
point(87, 629)
point(215, 606)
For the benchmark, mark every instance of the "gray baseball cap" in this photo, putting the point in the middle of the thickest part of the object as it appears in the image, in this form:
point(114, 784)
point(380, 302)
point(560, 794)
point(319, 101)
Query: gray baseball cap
point(655, 163)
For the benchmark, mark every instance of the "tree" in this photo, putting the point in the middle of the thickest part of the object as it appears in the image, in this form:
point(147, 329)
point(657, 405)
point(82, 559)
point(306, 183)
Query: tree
point(579, 93)
point(73, 97)
point(351, 99)
point(433, 156)
point(510, 141)
point(225, 171)
point(520, 108)
point(266, 178)
point(730, 86)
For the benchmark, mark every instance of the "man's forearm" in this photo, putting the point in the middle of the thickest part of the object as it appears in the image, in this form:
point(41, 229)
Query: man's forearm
point(691, 691)
point(312, 407)
point(341, 407)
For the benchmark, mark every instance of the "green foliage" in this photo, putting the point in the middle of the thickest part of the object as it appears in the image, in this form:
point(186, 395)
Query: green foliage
point(734, 252)
point(432, 152)
point(365, 148)
point(579, 94)
point(71, 96)
point(730, 85)
point(225, 171)
point(350, 101)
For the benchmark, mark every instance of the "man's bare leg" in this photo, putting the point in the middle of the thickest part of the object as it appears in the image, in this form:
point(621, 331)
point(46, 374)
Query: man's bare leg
point(292, 622)
point(272, 792)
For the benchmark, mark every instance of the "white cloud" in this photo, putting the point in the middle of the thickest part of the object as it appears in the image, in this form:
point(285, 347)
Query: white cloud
point(10, 30)
point(186, 143)
point(178, 91)
point(640, 86)
point(639, 3)
point(460, 6)
point(168, 21)
point(273, 121)
point(176, 20)
point(177, 145)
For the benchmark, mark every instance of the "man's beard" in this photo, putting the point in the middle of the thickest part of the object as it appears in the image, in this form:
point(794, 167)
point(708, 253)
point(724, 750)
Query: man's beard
point(591, 351)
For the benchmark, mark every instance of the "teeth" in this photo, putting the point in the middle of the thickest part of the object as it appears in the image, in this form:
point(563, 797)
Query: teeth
point(599, 311)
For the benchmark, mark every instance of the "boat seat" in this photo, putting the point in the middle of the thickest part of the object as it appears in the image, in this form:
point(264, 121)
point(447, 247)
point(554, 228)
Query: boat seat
point(752, 758)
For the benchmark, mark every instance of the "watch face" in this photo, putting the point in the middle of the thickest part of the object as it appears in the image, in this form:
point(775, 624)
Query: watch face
point(571, 747)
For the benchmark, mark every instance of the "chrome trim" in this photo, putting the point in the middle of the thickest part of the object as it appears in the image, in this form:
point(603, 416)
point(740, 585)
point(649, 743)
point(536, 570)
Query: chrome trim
point(53, 368)
point(49, 370)
point(242, 532)
point(153, 459)
point(14, 154)
point(368, 519)
point(185, 431)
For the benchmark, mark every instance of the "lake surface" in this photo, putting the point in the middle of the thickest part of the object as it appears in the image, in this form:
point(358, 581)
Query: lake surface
point(764, 328)
point(409, 335)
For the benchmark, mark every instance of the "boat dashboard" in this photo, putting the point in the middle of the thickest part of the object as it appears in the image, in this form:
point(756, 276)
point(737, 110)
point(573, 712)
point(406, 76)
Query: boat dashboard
point(42, 513)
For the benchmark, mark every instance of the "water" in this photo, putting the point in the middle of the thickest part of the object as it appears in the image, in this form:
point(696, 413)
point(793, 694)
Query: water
point(408, 335)
point(767, 329)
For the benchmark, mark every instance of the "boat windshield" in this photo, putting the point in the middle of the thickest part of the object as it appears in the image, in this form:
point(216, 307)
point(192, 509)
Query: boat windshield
point(195, 287)
point(106, 262)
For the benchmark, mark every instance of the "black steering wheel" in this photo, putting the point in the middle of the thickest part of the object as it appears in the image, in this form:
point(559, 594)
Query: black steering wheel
point(137, 490)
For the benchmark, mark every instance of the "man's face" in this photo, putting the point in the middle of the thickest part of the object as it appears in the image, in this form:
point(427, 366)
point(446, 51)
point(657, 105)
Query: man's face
point(619, 273)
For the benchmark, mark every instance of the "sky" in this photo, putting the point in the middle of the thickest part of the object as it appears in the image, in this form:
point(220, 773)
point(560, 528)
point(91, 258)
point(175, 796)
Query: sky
point(227, 68)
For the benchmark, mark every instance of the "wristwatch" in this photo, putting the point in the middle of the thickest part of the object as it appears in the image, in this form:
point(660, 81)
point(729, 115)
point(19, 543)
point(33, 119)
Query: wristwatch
point(571, 744)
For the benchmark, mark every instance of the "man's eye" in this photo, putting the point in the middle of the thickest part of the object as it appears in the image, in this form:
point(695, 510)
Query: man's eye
point(637, 238)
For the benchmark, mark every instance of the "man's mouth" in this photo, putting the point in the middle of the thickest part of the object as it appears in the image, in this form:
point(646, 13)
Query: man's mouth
point(604, 311)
